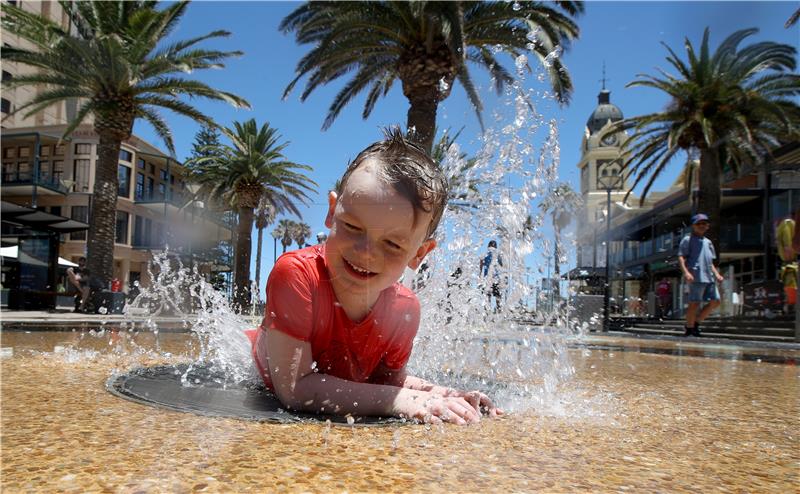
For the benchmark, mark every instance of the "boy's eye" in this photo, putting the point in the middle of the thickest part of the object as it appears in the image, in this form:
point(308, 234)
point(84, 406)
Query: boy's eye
point(351, 227)
point(393, 245)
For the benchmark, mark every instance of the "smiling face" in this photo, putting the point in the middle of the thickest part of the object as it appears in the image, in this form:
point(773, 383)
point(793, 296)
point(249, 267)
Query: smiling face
point(374, 234)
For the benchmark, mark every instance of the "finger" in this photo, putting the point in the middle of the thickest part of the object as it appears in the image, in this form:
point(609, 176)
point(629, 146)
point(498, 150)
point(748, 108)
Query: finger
point(432, 419)
point(450, 416)
point(464, 410)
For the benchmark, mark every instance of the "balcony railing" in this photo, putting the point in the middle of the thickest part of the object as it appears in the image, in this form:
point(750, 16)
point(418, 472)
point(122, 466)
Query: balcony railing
point(50, 181)
point(177, 200)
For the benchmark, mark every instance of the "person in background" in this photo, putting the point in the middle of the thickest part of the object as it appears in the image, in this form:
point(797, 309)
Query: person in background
point(696, 258)
point(490, 268)
point(322, 237)
point(79, 284)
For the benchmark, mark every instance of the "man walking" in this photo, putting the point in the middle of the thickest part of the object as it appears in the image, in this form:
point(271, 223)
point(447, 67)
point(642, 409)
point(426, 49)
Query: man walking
point(696, 257)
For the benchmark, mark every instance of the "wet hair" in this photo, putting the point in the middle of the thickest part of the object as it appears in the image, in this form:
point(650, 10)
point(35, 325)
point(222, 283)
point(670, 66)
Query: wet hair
point(409, 170)
point(493, 243)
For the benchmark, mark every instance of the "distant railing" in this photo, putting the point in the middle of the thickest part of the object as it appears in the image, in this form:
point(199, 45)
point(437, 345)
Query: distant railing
point(51, 181)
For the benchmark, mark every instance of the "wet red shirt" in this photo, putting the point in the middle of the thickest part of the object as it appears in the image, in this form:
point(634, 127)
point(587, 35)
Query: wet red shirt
point(301, 303)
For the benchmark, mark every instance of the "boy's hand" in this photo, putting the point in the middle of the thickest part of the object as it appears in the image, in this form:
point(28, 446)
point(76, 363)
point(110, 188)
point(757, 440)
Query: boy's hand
point(689, 277)
point(435, 409)
point(482, 403)
point(720, 279)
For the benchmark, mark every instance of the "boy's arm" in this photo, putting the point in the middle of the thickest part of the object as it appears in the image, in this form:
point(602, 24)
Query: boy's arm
point(685, 270)
point(400, 378)
point(300, 388)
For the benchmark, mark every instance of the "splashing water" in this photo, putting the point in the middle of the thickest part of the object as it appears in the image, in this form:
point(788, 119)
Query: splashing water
point(463, 341)
point(463, 338)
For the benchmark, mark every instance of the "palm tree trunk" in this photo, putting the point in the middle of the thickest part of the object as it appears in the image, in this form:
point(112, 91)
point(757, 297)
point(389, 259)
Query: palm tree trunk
point(241, 282)
point(422, 117)
point(103, 216)
point(710, 194)
point(258, 263)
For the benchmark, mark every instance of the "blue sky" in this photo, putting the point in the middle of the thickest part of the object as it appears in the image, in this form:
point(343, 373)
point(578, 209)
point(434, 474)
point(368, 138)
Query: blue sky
point(624, 35)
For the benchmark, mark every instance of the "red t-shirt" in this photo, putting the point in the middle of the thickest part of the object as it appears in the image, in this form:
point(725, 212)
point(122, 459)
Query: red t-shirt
point(301, 303)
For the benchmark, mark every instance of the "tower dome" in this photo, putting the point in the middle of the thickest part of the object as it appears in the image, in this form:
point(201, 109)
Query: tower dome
point(604, 112)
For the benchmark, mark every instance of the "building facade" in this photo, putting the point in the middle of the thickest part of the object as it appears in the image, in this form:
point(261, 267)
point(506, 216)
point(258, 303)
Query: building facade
point(43, 170)
point(643, 237)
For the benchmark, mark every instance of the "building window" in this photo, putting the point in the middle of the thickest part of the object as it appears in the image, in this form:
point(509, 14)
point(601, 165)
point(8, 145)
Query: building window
point(79, 213)
point(139, 194)
point(5, 105)
point(125, 155)
point(59, 150)
point(44, 150)
point(162, 191)
point(58, 170)
point(122, 228)
point(80, 174)
point(152, 169)
point(163, 175)
point(138, 231)
point(124, 176)
point(10, 152)
point(140, 163)
point(24, 152)
point(7, 76)
point(81, 148)
point(148, 191)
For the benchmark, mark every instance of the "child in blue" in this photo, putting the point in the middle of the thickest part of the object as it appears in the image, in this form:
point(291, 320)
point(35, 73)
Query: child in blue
point(696, 257)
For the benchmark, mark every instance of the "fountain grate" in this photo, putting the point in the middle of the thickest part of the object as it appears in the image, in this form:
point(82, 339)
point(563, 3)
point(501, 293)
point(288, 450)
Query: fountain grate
point(198, 389)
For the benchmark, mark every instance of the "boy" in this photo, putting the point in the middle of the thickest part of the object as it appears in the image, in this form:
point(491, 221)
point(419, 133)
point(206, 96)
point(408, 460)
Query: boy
point(696, 257)
point(339, 328)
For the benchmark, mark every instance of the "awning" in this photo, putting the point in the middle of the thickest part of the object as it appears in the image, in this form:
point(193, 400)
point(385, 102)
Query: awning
point(12, 252)
point(34, 218)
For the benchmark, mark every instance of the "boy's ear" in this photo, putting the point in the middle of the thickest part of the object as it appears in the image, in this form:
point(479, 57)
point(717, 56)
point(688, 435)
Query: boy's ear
point(331, 209)
point(423, 250)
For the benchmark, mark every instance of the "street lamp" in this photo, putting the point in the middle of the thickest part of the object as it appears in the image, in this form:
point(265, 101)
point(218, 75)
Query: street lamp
point(609, 183)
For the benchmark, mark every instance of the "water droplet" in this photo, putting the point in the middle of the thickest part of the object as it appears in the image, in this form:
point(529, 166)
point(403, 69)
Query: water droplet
point(516, 6)
point(102, 310)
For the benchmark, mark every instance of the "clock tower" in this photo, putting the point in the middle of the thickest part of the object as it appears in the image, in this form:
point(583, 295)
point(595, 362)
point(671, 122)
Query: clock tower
point(600, 170)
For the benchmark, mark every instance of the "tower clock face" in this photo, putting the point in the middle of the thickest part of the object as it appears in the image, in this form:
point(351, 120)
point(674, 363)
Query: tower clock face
point(610, 139)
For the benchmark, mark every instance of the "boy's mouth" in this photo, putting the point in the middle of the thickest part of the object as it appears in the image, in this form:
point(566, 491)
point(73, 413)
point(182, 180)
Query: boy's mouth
point(357, 271)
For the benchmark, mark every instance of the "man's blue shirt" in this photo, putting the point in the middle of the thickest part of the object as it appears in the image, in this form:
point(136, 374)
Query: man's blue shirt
point(698, 253)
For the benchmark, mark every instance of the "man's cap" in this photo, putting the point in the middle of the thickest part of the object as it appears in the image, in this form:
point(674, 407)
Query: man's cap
point(698, 218)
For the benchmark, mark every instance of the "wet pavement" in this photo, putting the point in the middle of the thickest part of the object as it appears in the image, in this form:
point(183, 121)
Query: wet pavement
point(639, 415)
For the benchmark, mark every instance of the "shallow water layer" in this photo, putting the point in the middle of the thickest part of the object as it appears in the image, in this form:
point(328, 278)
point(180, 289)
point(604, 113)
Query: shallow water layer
point(629, 421)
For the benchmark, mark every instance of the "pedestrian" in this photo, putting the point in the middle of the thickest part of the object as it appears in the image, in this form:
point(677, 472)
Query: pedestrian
point(696, 257)
point(490, 269)
point(322, 237)
point(79, 284)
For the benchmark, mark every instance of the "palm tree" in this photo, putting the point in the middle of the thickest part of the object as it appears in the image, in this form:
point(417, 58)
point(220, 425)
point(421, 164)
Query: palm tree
point(426, 45)
point(562, 203)
point(729, 108)
point(285, 232)
point(301, 232)
point(114, 61)
point(242, 174)
point(265, 215)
